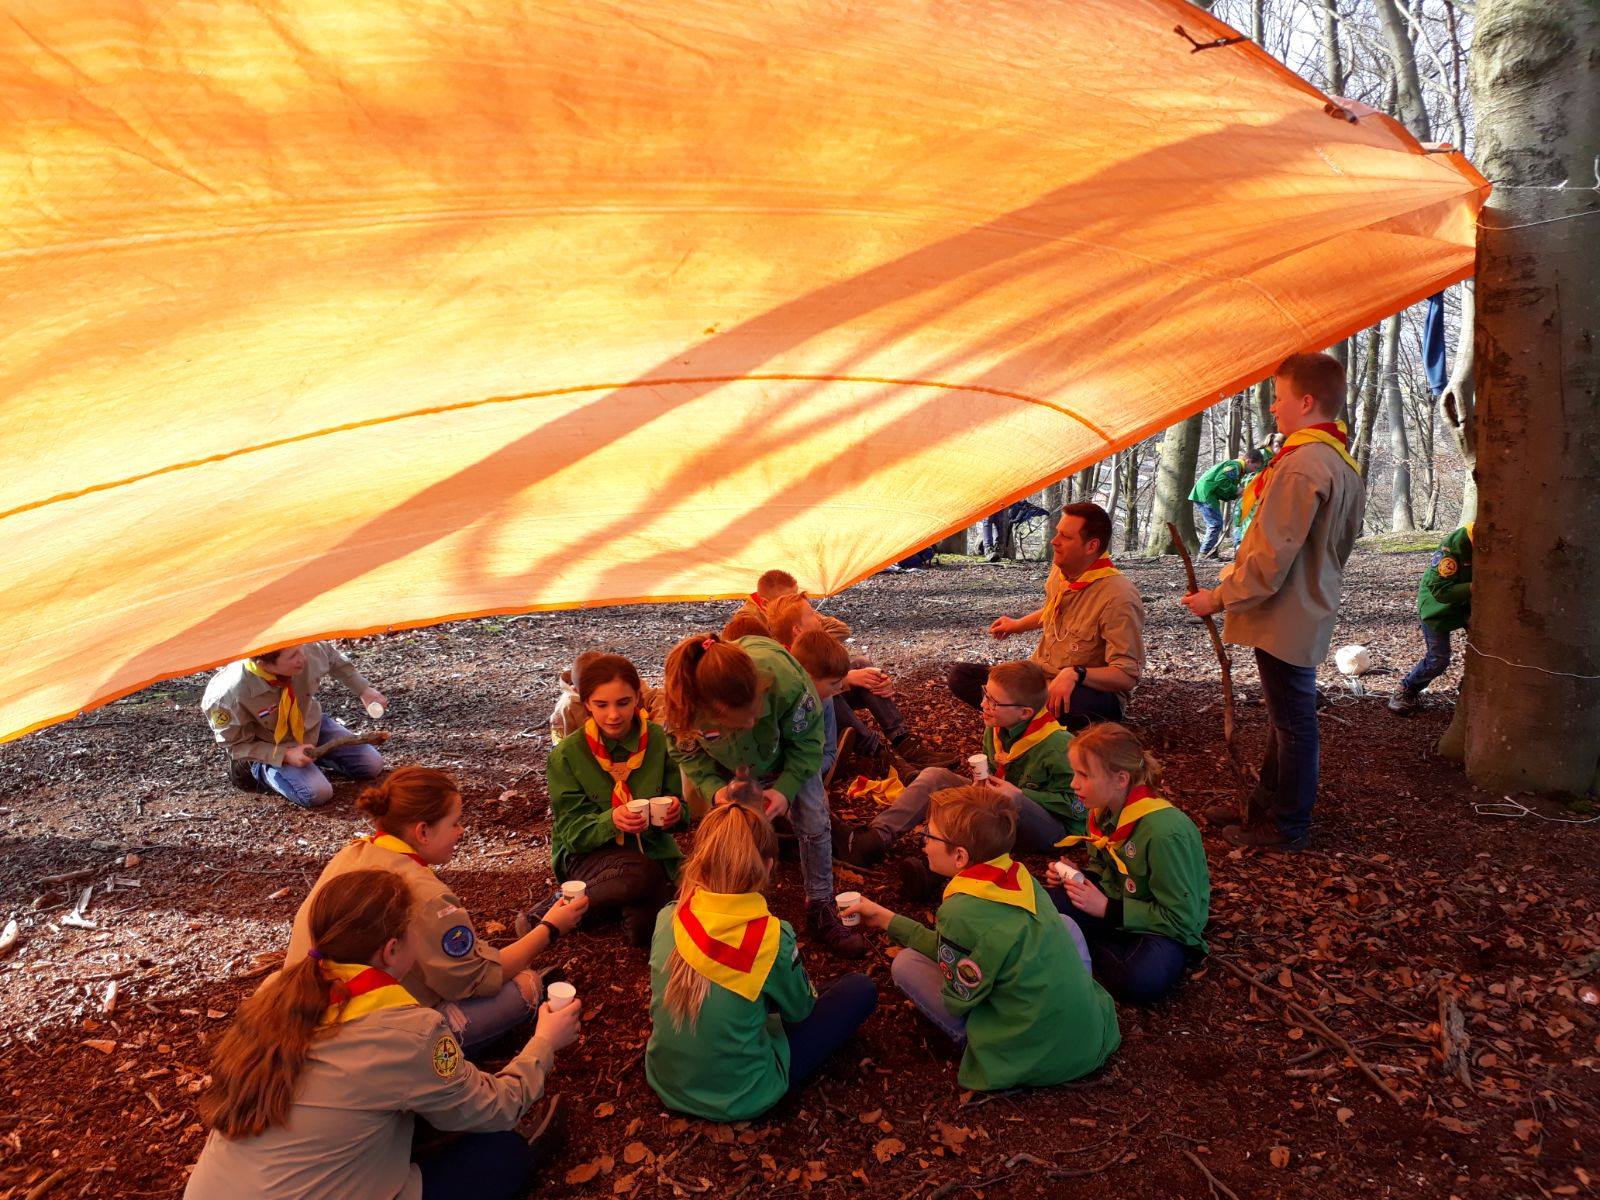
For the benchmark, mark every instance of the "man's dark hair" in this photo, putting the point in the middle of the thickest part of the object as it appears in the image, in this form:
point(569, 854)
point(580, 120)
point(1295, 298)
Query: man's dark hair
point(1254, 455)
point(1096, 522)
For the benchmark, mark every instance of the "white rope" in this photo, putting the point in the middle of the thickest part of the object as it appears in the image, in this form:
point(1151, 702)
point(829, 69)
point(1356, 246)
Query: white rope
point(1517, 810)
point(1536, 187)
point(1527, 666)
point(1548, 221)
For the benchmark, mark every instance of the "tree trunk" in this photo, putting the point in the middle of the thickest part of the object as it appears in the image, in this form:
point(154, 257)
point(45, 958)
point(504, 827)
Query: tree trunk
point(1262, 395)
point(1367, 411)
point(1235, 425)
point(1409, 106)
point(1332, 60)
point(1533, 719)
point(1130, 491)
point(1180, 451)
point(1116, 490)
point(1401, 518)
point(1457, 406)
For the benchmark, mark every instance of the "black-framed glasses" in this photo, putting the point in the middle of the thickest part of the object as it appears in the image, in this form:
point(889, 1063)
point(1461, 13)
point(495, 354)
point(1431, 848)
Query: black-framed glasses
point(993, 703)
point(934, 837)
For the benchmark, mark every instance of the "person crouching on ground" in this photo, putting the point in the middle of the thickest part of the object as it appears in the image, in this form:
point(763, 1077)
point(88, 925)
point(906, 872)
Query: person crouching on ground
point(481, 991)
point(1001, 972)
point(264, 710)
point(721, 968)
point(316, 1086)
point(1144, 902)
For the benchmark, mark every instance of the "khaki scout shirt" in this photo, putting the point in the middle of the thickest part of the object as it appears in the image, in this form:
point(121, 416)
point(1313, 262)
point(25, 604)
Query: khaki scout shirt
point(1100, 626)
point(242, 708)
point(349, 1129)
point(452, 963)
point(1282, 595)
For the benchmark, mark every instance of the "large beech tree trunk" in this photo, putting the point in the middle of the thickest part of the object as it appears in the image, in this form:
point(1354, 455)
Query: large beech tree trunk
point(1400, 515)
point(1180, 451)
point(1532, 699)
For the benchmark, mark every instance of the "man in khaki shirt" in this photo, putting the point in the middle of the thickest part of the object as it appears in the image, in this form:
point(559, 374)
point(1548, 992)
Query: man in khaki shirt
point(1092, 645)
point(1281, 595)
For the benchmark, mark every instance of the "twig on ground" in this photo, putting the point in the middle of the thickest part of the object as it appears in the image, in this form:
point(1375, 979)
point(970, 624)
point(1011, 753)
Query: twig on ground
point(1218, 1188)
point(375, 737)
point(1453, 1037)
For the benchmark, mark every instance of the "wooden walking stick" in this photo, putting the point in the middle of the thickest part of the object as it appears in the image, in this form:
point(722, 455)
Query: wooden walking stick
point(375, 738)
point(1222, 661)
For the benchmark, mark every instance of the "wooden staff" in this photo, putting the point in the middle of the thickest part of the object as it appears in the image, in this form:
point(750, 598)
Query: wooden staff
point(1222, 661)
point(375, 738)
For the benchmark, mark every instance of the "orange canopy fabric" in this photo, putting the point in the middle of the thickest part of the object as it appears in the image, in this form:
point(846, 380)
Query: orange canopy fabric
point(330, 316)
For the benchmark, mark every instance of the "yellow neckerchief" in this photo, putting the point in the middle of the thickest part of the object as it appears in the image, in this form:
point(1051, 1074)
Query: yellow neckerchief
point(290, 718)
point(1100, 568)
point(1002, 880)
point(1332, 433)
point(1139, 804)
point(883, 791)
point(730, 939)
point(1468, 527)
point(1040, 726)
point(621, 793)
point(358, 990)
point(385, 841)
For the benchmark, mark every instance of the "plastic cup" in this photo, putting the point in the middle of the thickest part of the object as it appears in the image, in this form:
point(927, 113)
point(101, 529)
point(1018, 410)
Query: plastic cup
point(560, 995)
point(660, 806)
point(572, 889)
point(375, 710)
point(844, 900)
point(980, 766)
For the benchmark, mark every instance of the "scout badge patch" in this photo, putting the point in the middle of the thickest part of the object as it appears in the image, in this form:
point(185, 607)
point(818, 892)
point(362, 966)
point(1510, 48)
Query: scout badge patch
point(1000, 879)
point(883, 791)
point(446, 1056)
point(959, 969)
point(290, 718)
point(1040, 726)
point(458, 941)
point(384, 841)
point(220, 717)
point(730, 939)
point(1140, 804)
point(358, 990)
point(1331, 433)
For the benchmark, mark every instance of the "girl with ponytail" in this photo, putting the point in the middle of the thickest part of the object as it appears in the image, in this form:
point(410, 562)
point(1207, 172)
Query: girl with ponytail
point(315, 1085)
point(482, 991)
point(720, 965)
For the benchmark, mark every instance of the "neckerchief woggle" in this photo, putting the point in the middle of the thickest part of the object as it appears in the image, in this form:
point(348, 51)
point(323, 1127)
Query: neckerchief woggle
point(1100, 568)
point(1003, 880)
point(1140, 803)
point(387, 841)
point(621, 793)
point(731, 939)
point(1330, 433)
point(1040, 726)
point(359, 990)
point(290, 718)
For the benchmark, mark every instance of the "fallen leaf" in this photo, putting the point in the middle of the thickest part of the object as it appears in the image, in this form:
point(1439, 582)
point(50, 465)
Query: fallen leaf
point(625, 1184)
point(816, 1170)
point(1279, 1156)
point(953, 1136)
point(584, 1172)
point(104, 1045)
point(870, 1118)
point(1344, 1114)
point(887, 1148)
point(602, 1111)
point(493, 927)
point(635, 1152)
point(508, 795)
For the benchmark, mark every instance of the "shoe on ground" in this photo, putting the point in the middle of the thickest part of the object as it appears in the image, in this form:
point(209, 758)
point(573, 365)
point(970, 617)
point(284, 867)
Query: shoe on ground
point(639, 924)
point(919, 754)
point(549, 1133)
point(918, 882)
point(242, 777)
point(863, 847)
point(525, 923)
point(847, 741)
point(1404, 701)
point(1262, 837)
point(824, 925)
point(1220, 816)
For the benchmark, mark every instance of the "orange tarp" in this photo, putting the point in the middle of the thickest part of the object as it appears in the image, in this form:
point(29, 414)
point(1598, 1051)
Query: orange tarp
point(327, 316)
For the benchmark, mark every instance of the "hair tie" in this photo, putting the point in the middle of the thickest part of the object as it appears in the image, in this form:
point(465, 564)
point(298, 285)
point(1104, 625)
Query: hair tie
point(314, 953)
point(709, 642)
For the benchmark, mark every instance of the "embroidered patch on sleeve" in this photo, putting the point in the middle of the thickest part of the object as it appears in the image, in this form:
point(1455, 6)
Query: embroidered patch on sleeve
point(803, 712)
point(458, 941)
point(446, 1056)
point(1447, 567)
point(220, 717)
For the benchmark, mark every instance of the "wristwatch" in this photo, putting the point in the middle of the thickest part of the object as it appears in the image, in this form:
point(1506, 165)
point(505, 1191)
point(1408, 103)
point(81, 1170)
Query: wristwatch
point(1082, 671)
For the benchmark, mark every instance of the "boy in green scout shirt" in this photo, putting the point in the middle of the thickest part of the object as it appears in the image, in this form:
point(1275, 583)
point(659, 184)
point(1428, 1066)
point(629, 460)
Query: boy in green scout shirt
point(1001, 971)
point(1218, 486)
point(1444, 602)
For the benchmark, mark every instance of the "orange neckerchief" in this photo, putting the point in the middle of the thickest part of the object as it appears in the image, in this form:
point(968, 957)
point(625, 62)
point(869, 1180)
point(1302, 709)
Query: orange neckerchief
point(290, 718)
point(730, 939)
point(1141, 802)
point(621, 793)
point(1329, 433)
point(1002, 879)
point(386, 841)
point(358, 990)
point(1040, 726)
point(1101, 568)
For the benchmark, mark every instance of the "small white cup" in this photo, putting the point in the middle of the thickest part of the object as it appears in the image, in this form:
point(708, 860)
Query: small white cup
point(1061, 872)
point(639, 806)
point(560, 995)
point(660, 806)
point(980, 766)
point(844, 900)
point(375, 710)
point(572, 889)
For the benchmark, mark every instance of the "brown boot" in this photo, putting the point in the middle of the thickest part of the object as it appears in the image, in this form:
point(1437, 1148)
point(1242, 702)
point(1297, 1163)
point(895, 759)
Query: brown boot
point(822, 922)
point(1219, 816)
point(862, 847)
point(918, 753)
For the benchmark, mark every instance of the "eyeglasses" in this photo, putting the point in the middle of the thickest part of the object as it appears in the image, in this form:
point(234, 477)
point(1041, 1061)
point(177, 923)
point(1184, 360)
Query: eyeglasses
point(934, 837)
point(993, 703)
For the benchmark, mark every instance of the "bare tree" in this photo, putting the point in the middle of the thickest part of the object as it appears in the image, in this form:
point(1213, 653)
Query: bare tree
point(1180, 451)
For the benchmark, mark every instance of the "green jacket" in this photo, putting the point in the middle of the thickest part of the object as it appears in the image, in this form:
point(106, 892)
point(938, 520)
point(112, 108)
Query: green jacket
point(580, 798)
point(1034, 1014)
point(1043, 774)
point(785, 746)
point(1220, 484)
point(1171, 884)
point(733, 1063)
point(1444, 598)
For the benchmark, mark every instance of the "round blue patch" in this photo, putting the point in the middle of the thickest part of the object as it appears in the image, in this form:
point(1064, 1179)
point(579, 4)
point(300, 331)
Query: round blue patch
point(457, 942)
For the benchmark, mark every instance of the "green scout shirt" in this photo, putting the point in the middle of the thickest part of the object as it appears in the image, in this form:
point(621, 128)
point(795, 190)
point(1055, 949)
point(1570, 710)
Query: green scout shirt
point(1034, 1014)
point(1167, 889)
point(580, 797)
point(733, 1063)
point(785, 746)
point(1444, 598)
point(1043, 774)
point(1220, 484)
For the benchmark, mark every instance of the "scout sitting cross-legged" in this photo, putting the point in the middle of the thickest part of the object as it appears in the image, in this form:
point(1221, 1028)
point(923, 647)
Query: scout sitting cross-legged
point(1144, 902)
point(482, 992)
point(1001, 971)
point(722, 968)
point(316, 1085)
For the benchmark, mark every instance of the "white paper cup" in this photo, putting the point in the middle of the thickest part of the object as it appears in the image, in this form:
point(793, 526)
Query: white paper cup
point(980, 766)
point(573, 888)
point(560, 995)
point(660, 806)
point(844, 900)
point(1061, 872)
point(375, 710)
point(639, 806)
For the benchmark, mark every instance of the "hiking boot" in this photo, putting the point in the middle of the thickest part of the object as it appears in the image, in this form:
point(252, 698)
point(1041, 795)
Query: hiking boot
point(1404, 701)
point(822, 922)
point(242, 777)
point(918, 753)
point(549, 1135)
point(918, 882)
point(847, 741)
point(862, 847)
point(1263, 837)
point(1222, 815)
point(639, 924)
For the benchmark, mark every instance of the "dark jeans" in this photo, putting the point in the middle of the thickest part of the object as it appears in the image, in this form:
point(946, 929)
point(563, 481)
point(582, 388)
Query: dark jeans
point(1135, 968)
point(1435, 660)
point(1288, 790)
point(840, 1010)
point(1089, 705)
point(1211, 521)
point(478, 1166)
point(618, 878)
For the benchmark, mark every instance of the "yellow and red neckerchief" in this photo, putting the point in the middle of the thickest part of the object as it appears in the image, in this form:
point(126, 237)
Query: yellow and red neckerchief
point(621, 793)
point(883, 791)
point(1100, 568)
point(731, 939)
point(1040, 726)
point(290, 718)
point(1003, 880)
point(1141, 802)
point(1329, 433)
point(359, 990)
point(387, 841)
point(1468, 527)
point(759, 601)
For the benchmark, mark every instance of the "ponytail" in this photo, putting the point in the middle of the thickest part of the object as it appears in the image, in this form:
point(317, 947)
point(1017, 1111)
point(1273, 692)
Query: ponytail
point(1117, 748)
point(408, 796)
point(705, 674)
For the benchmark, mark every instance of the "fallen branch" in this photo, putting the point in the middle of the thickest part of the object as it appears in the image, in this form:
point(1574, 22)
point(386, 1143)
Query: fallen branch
point(1218, 1188)
point(1453, 1037)
point(49, 1181)
point(68, 876)
point(376, 737)
point(1222, 661)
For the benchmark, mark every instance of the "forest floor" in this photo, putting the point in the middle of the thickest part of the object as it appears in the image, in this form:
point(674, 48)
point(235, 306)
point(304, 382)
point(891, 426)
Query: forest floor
point(1414, 907)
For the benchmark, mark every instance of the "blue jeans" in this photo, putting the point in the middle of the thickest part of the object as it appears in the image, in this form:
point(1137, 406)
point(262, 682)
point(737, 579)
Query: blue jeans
point(478, 1166)
point(840, 1010)
point(308, 786)
point(1136, 968)
point(1288, 790)
point(1211, 522)
point(808, 814)
point(479, 1020)
point(1435, 660)
point(830, 739)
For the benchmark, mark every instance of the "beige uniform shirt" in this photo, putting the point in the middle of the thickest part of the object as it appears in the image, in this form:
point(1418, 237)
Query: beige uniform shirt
point(1282, 594)
point(452, 963)
point(829, 624)
point(1100, 626)
point(348, 1134)
point(242, 708)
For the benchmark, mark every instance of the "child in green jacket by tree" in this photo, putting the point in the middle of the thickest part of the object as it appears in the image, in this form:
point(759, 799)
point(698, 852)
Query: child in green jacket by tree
point(1444, 604)
point(1001, 972)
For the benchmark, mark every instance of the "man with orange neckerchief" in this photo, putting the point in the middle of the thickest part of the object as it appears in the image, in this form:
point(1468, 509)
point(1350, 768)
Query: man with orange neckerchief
point(1282, 594)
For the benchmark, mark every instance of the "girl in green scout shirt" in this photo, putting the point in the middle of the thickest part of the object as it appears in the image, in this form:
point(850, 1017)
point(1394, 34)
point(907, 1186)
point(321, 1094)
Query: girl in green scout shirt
point(1000, 971)
point(317, 1084)
point(722, 967)
point(626, 859)
point(749, 705)
point(1144, 902)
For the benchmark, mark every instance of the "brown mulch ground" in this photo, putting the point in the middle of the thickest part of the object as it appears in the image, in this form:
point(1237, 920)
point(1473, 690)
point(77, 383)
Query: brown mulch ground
point(1411, 904)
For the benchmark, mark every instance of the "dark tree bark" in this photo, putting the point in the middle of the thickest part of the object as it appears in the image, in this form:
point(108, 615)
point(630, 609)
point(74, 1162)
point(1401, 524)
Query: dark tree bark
point(1180, 452)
